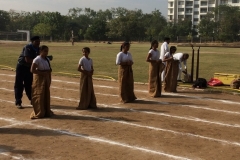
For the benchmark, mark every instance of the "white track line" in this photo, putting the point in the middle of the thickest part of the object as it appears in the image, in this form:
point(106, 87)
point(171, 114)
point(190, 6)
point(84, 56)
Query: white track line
point(164, 103)
point(145, 91)
point(147, 127)
point(102, 140)
point(12, 157)
point(195, 119)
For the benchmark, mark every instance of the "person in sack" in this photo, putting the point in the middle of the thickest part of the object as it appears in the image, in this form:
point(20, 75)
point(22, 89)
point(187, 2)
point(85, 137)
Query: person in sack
point(171, 71)
point(164, 50)
point(155, 70)
point(87, 95)
point(24, 77)
point(181, 58)
point(125, 74)
point(41, 70)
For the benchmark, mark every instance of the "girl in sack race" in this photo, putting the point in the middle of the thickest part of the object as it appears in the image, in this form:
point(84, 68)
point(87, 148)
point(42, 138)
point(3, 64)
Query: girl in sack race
point(155, 70)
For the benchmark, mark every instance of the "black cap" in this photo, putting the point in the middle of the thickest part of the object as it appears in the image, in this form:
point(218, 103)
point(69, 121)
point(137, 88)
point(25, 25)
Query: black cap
point(35, 38)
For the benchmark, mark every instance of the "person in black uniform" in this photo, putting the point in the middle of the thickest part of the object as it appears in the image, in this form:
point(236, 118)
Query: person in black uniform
point(24, 77)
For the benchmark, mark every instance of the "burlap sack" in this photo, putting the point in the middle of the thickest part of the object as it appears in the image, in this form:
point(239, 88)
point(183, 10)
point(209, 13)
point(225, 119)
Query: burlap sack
point(235, 84)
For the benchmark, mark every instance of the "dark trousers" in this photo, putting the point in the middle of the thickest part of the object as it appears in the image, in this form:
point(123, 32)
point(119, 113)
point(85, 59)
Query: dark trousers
point(23, 80)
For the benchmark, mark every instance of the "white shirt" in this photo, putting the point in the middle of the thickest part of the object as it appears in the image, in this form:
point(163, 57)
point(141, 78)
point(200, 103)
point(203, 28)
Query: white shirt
point(42, 63)
point(164, 50)
point(122, 57)
point(178, 57)
point(86, 64)
point(155, 54)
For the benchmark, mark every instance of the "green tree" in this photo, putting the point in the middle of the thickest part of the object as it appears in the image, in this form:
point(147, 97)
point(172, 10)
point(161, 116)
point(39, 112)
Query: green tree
point(228, 22)
point(207, 26)
point(43, 29)
point(4, 19)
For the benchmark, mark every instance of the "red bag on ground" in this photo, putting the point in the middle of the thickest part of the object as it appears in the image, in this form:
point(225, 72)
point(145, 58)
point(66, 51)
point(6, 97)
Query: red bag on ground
point(214, 82)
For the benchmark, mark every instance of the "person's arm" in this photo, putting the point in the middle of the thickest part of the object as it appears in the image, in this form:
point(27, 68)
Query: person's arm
point(167, 59)
point(27, 54)
point(82, 70)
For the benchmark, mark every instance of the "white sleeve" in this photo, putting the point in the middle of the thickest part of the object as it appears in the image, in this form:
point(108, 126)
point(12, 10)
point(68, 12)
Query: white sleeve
point(165, 48)
point(36, 61)
point(118, 59)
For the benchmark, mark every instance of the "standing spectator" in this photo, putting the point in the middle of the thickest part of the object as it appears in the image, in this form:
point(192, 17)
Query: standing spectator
point(87, 96)
point(164, 50)
point(125, 74)
point(155, 69)
point(171, 71)
point(41, 70)
point(24, 77)
point(181, 58)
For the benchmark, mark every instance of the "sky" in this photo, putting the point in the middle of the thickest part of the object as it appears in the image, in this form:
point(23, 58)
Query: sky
point(63, 6)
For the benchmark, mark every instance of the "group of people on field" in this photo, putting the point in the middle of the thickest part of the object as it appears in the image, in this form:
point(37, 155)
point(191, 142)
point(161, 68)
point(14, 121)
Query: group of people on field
point(33, 73)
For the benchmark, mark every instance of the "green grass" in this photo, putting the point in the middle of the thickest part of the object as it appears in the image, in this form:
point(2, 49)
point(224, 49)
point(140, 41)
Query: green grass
point(66, 57)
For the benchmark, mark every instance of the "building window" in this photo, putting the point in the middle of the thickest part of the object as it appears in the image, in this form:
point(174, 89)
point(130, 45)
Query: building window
point(181, 3)
point(196, 12)
point(203, 10)
point(211, 2)
point(180, 9)
point(188, 10)
point(203, 3)
point(171, 4)
point(170, 17)
point(188, 17)
point(195, 19)
point(171, 10)
point(196, 5)
point(235, 1)
point(189, 3)
point(224, 2)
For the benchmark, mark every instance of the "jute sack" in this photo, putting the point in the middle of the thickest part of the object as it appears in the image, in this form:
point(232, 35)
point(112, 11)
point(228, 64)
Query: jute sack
point(235, 84)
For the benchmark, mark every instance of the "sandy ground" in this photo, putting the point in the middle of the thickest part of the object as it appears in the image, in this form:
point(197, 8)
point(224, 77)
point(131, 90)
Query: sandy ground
point(190, 124)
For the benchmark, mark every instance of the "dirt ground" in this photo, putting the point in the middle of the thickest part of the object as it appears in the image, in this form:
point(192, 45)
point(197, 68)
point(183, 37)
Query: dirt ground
point(190, 124)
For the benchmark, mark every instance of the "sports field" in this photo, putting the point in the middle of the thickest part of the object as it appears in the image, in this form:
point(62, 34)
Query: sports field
point(190, 124)
point(66, 57)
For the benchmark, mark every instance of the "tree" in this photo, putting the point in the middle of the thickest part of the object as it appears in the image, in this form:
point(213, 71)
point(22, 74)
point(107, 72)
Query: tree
point(43, 29)
point(207, 26)
point(4, 19)
point(228, 22)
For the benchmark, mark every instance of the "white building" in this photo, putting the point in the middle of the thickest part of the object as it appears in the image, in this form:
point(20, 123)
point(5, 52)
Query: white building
point(194, 10)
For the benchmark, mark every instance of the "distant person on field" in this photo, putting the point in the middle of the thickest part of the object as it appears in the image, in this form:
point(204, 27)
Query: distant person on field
point(171, 71)
point(87, 96)
point(164, 50)
point(125, 74)
point(155, 69)
point(24, 77)
point(41, 70)
point(181, 58)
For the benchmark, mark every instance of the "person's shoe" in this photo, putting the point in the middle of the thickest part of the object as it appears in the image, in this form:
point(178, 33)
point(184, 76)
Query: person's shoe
point(19, 106)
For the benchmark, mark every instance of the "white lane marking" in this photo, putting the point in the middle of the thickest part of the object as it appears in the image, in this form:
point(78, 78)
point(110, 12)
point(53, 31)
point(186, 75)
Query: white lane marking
point(8, 155)
point(145, 91)
point(102, 140)
point(143, 126)
point(195, 119)
point(165, 103)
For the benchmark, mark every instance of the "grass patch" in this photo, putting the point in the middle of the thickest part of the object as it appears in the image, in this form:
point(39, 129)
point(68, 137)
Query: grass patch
point(66, 57)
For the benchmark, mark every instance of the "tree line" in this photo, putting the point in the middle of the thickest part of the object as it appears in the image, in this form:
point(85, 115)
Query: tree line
point(122, 24)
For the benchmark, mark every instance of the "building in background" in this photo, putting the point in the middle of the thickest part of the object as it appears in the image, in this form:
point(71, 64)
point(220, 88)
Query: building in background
point(194, 10)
